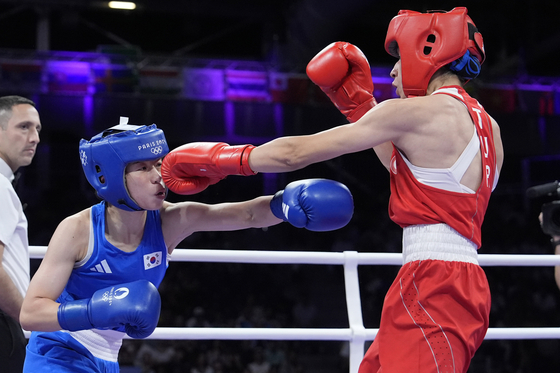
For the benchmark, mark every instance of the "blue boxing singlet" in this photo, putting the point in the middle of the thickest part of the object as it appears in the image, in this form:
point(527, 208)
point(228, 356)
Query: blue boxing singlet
point(104, 265)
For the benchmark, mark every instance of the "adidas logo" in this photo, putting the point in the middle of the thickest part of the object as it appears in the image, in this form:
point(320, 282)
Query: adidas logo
point(102, 267)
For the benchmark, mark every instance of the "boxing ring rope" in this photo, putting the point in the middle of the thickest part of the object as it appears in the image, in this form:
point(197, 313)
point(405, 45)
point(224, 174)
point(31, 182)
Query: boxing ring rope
point(356, 334)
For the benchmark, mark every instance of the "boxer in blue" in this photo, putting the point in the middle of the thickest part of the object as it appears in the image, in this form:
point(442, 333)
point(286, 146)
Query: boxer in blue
point(99, 277)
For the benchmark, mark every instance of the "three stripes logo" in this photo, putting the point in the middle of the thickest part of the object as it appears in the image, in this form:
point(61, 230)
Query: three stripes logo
point(102, 267)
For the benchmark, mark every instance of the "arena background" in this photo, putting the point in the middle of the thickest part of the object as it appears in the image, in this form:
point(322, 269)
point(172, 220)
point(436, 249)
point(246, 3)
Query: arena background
point(234, 71)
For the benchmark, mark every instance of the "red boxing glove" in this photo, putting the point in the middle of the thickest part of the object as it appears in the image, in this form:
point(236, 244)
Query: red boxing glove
point(191, 168)
point(342, 71)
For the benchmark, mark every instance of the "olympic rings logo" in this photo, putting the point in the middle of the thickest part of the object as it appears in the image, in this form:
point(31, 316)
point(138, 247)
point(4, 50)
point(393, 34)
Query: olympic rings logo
point(157, 150)
point(105, 297)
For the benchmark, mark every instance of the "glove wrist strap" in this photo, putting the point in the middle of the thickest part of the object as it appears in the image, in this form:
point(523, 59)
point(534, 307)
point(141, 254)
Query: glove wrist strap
point(363, 108)
point(74, 315)
point(276, 205)
point(245, 168)
point(234, 160)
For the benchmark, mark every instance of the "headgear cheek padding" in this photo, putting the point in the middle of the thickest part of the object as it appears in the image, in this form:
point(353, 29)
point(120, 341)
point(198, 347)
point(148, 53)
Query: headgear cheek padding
point(425, 42)
point(105, 156)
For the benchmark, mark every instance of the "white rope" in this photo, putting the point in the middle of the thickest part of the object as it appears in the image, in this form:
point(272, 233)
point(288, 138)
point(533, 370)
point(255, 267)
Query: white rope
point(312, 257)
point(316, 334)
point(356, 334)
point(253, 334)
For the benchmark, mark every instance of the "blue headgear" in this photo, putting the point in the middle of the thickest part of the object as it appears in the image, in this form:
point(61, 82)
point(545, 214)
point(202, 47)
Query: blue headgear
point(105, 156)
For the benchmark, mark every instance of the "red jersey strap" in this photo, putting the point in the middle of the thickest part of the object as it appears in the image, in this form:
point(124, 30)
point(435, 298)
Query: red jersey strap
point(483, 127)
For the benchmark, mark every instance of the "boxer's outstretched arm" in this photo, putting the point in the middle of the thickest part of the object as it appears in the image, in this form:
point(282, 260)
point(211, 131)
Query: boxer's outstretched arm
point(314, 204)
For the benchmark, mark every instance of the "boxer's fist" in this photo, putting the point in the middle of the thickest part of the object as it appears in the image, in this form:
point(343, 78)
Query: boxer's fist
point(191, 168)
point(134, 306)
point(316, 204)
point(342, 71)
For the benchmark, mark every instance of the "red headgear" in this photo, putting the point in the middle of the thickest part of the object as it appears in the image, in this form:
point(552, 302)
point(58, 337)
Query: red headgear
point(427, 41)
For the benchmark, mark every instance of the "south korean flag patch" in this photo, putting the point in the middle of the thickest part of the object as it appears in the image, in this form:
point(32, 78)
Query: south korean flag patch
point(152, 260)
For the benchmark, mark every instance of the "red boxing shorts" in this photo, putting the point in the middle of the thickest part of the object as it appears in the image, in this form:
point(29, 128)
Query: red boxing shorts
point(434, 318)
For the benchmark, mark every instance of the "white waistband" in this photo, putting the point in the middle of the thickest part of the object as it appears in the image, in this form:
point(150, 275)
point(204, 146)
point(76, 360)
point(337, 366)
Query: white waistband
point(103, 344)
point(437, 242)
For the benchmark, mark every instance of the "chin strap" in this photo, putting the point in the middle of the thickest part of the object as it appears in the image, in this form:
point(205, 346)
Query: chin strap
point(123, 202)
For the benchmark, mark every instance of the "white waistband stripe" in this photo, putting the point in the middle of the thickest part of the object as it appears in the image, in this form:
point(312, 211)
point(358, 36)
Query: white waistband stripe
point(437, 242)
point(103, 344)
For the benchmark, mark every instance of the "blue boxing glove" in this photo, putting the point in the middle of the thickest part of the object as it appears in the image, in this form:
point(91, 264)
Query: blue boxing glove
point(136, 305)
point(315, 204)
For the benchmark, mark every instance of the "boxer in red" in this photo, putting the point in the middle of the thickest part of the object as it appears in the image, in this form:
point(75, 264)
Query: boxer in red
point(444, 154)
